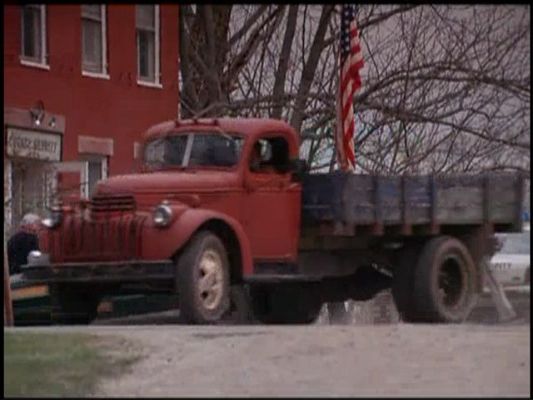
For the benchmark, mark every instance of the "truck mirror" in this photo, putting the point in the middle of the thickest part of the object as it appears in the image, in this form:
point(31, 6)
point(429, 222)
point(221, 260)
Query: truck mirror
point(298, 167)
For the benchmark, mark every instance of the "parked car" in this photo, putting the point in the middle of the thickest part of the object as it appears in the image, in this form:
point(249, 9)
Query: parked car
point(511, 265)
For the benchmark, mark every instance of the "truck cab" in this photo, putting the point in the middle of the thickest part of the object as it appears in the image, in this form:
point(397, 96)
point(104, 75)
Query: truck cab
point(214, 198)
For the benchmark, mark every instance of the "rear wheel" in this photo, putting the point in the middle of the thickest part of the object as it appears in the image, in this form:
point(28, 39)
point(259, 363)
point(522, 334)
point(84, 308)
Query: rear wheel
point(72, 305)
point(285, 304)
point(440, 286)
point(202, 280)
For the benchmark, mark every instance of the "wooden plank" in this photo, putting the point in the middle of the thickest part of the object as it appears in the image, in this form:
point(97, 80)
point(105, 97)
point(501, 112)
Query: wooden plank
point(380, 202)
point(418, 198)
point(8, 304)
point(358, 199)
point(460, 199)
point(391, 197)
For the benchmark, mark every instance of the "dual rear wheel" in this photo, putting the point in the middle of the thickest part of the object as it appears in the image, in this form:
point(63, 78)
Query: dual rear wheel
point(435, 282)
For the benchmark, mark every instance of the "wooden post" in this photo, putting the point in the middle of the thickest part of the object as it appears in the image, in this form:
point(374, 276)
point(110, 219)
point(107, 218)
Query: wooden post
point(8, 305)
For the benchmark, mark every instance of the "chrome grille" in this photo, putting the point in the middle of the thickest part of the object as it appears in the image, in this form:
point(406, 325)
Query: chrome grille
point(104, 239)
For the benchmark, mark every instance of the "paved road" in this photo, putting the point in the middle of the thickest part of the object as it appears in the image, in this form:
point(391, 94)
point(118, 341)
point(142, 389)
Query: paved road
point(321, 360)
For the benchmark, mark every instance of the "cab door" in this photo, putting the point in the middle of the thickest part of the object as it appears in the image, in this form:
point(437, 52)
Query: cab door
point(272, 203)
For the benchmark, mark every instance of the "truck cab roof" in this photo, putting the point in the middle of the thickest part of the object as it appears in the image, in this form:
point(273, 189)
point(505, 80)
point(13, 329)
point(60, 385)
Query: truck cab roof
point(245, 126)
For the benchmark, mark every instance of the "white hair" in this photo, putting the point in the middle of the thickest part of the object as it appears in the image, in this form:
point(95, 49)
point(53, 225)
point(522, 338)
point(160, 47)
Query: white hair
point(30, 219)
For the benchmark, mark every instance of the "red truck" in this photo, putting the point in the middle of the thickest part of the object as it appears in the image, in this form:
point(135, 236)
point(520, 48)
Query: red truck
point(226, 202)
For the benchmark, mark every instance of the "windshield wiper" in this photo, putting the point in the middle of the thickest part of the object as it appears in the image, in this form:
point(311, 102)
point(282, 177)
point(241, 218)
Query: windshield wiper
point(188, 150)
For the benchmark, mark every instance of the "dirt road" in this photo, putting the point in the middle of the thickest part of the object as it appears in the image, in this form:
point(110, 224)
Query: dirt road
point(321, 360)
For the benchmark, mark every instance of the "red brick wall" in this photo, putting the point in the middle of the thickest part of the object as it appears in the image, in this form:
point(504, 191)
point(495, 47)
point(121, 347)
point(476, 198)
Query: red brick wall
point(117, 108)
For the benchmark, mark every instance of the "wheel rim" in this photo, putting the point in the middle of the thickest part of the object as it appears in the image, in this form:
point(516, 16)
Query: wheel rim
point(451, 282)
point(210, 283)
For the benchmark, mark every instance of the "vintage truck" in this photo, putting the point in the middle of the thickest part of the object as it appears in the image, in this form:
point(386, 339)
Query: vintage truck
point(226, 203)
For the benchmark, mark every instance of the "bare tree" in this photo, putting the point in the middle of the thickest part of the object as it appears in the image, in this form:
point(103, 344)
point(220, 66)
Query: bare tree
point(445, 88)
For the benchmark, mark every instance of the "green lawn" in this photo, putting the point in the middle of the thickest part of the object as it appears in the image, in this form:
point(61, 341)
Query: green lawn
point(60, 364)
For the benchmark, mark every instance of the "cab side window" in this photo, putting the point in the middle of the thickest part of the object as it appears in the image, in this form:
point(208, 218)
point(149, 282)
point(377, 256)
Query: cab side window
point(270, 155)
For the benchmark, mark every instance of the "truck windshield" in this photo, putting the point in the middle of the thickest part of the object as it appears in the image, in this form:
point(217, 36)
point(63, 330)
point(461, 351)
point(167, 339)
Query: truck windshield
point(193, 149)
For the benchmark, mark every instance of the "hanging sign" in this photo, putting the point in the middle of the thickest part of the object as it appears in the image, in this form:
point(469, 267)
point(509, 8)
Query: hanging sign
point(31, 144)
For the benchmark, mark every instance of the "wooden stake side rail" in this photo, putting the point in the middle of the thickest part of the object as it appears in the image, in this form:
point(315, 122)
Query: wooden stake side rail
point(342, 204)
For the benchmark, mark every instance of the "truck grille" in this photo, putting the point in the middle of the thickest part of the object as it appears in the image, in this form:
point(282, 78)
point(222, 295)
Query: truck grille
point(106, 239)
point(112, 203)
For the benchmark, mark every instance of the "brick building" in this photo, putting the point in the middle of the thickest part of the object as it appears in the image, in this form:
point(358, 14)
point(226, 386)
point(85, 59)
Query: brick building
point(81, 83)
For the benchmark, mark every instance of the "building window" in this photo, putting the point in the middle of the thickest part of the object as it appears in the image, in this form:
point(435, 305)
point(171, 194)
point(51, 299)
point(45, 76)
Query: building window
point(33, 41)
point(147, 27)
point(96, 170)
point(94, 49)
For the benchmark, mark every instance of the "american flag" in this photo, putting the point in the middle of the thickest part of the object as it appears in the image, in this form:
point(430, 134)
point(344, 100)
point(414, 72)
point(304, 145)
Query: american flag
point(351, 61)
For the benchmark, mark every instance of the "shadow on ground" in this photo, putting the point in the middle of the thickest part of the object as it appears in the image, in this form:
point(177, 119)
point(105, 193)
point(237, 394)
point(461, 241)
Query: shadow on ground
point(379, 311)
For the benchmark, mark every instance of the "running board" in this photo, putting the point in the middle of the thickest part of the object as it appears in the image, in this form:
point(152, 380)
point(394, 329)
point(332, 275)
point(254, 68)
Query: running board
point(272, 278)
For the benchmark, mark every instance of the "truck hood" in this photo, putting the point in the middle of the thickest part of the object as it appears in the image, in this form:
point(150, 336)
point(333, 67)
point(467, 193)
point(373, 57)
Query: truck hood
point(170, 182)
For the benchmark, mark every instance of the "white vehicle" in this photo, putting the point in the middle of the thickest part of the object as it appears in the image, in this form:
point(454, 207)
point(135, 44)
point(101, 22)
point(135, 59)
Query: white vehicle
point(511, 265)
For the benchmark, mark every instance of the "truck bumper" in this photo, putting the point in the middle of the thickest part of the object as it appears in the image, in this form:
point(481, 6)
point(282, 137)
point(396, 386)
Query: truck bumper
point(100, 272)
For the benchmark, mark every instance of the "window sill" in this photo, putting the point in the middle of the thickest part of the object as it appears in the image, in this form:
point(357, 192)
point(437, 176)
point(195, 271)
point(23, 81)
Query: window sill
point(34, 64)
point(154, 85)
point(97, 75)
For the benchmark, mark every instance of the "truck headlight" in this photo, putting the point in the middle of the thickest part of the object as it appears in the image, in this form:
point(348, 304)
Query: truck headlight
point(162, 215)
point(53, 219)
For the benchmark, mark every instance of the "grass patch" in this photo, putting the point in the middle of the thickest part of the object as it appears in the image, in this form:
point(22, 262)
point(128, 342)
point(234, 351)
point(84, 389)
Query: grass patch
point(61, 364)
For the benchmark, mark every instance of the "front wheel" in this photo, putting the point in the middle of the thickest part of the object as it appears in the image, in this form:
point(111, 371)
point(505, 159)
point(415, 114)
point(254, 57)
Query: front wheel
point(202, 280)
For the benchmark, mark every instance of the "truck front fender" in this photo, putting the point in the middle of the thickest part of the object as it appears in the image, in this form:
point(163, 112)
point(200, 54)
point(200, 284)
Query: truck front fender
point(163, 243)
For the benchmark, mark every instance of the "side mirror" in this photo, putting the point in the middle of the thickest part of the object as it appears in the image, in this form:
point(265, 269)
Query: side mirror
point(298, 167)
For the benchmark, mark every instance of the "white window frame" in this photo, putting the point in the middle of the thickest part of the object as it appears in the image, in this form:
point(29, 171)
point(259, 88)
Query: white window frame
point(104, 169)
point(43, 62)
point(136, 150)
point(157, 62)
point(103, 74)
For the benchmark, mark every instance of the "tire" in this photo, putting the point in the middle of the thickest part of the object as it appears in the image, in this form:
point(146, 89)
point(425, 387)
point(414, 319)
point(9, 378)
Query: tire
point(284, 305)
point(202, 280)
point(443, 283)
point(72, 305)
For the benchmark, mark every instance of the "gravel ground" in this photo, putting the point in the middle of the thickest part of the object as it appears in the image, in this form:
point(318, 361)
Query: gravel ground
point(321, 360)
point(478, 358)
